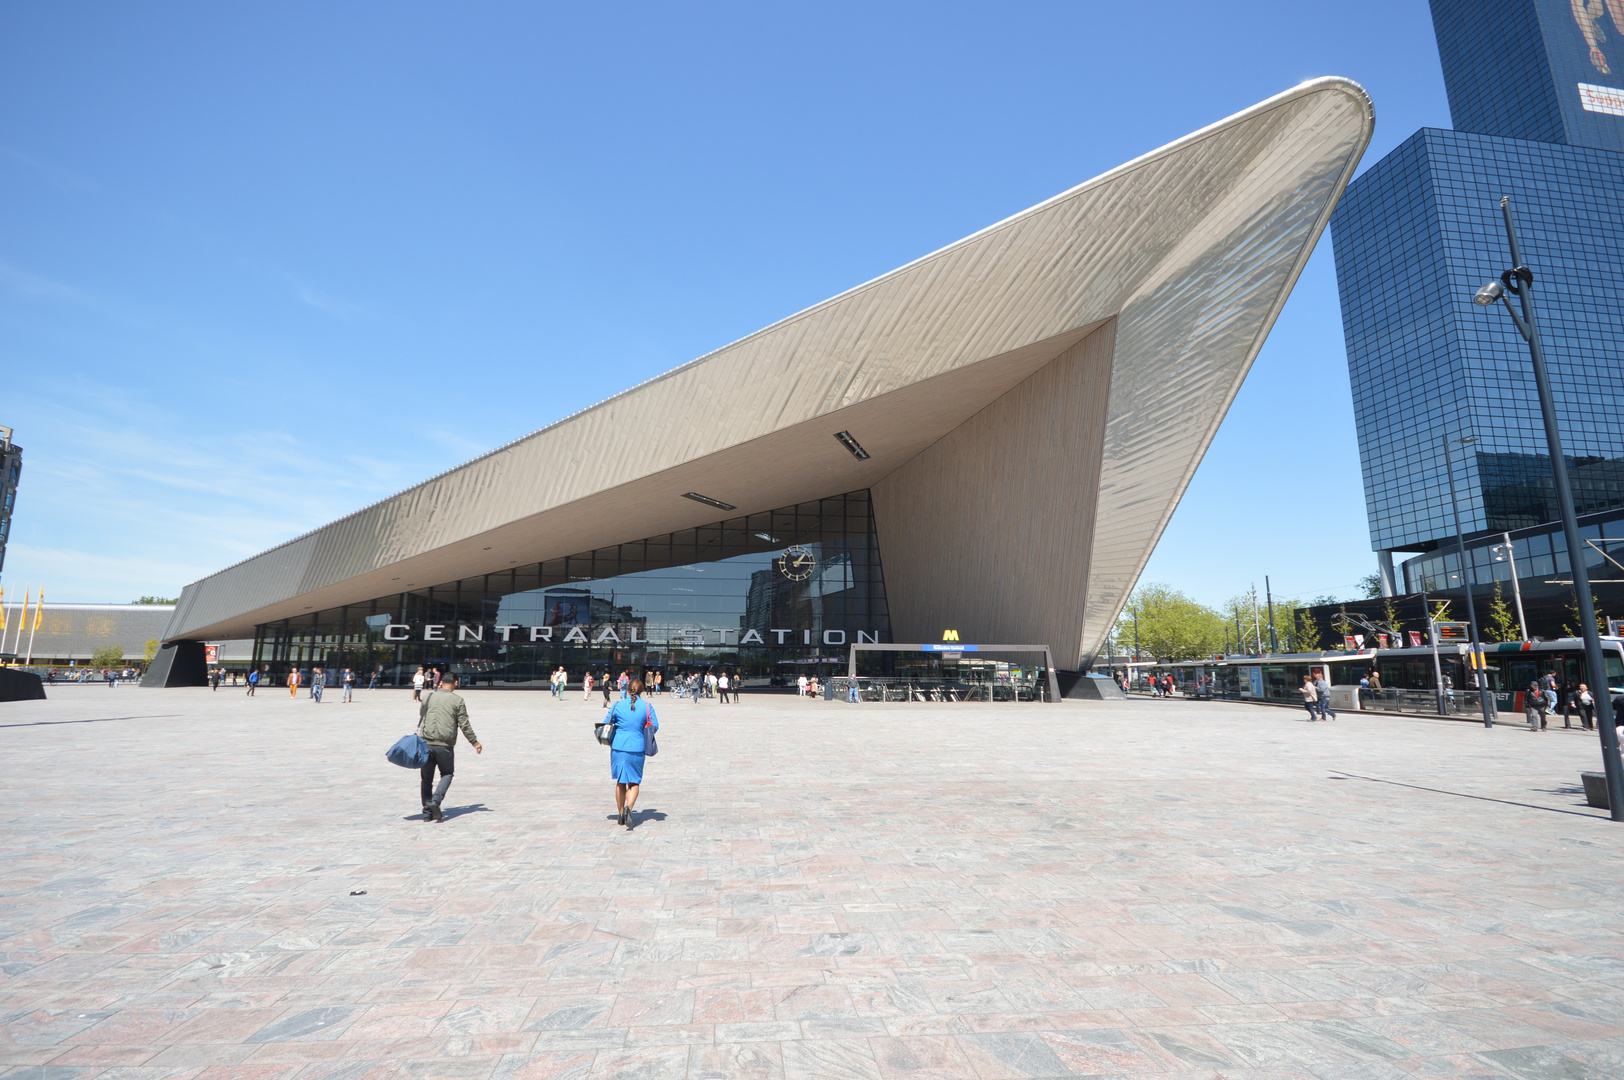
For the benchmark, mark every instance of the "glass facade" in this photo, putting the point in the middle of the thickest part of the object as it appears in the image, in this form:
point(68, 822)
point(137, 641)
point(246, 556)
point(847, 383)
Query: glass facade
point(1544, 70)
point(1415, 237)
point(769, 596)
point(1544, 575)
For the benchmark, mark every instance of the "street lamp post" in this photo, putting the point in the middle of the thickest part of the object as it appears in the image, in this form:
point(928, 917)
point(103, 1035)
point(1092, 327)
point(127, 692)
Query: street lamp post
point(1480, 676)
point(1520, 280)
point(1507, 553)
point(1268, 593)
point(1437, 665)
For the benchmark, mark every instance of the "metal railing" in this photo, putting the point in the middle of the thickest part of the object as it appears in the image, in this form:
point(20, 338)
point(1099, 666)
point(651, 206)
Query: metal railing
point(1422, 701)
point(893, 688)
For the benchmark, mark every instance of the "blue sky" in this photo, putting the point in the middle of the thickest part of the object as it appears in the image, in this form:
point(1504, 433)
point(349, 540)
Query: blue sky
point(261, 265)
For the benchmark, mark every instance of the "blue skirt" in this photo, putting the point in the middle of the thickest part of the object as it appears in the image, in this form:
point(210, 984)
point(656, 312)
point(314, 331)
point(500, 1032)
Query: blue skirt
point(626, 767)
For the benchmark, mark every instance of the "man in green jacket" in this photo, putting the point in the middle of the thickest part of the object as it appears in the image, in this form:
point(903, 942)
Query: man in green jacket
point(443, 712)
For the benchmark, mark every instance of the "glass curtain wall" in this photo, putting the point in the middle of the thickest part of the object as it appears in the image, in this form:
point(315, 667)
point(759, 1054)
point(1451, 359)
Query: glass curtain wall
point(767, 596)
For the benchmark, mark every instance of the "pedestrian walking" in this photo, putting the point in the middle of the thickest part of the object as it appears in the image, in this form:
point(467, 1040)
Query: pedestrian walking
point(800, 685)
point(372, 684)
point(347, 680)
point(418, 679)
point(604, 686)
point(253, 683)
point(1587, 708)
point(1534, 705)
point(623, 682)
point(659, 682)
point(1310, 698)
point(318, 682)
point(438, 720)
point(293, 683)
point(721, 688)
point(214, 680)
point(1322, 691)
point(586, 686)
point(628, 751)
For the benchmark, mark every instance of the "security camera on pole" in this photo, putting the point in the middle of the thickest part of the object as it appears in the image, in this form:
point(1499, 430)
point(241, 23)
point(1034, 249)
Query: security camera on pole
point(1520, 280)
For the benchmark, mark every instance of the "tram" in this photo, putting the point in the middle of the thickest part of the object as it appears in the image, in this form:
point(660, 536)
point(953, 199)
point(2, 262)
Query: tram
point(1409, 678)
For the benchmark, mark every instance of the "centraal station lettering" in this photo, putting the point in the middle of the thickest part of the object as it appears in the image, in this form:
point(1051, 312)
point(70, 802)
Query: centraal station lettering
point(507, 633)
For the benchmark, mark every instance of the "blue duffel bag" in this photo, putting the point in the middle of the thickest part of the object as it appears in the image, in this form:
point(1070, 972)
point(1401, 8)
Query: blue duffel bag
point(411, 752)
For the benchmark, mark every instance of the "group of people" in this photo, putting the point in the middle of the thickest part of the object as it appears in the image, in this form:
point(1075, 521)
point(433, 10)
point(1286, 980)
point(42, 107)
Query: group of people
point(430, 677)
point(1544, 695)
point(717, 685)
point(444, 714)
point(1316, 694)
point(1162, 686)
point(808, 687)
point(318, 683)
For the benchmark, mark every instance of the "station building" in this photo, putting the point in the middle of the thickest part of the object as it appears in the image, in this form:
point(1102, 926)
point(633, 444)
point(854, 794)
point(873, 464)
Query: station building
point(989, 439)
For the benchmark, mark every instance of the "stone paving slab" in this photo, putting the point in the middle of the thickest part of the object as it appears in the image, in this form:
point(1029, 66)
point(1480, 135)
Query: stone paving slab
point(814, 890)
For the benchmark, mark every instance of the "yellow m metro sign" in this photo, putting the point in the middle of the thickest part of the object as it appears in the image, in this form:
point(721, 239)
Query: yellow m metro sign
point(950, 635)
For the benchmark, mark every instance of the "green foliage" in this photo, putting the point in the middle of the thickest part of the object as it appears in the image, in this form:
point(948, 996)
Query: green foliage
point(157, 600)
point(149, 650)
point(1171, 625)
point(1341, 623)
point(1390, 617)
point(108, 656)
point(1570, 626)
point(1307, 636)
point(1371, 586)
point(1501, 623)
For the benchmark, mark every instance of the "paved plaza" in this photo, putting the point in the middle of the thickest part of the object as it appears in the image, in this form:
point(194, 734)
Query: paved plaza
point(203, 885)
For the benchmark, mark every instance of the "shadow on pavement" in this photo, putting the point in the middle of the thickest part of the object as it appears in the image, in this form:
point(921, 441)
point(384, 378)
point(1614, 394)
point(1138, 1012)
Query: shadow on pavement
point(97, 720)
point(1463, 795)
point(449, 812)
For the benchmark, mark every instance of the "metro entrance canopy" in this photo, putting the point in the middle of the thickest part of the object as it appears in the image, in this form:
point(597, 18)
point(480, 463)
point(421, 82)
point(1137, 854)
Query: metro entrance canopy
point(1005, 426)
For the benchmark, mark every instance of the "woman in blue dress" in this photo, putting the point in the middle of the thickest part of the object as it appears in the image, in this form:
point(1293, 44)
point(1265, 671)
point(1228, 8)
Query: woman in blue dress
point(628, 750)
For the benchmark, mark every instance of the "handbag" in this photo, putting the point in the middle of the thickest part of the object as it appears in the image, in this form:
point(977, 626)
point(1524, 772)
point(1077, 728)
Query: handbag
point(604, 732)
point(411, 752)
point(650, 745)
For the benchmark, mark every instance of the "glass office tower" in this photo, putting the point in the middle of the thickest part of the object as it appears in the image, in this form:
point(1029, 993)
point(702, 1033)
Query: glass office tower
point(1540, 117)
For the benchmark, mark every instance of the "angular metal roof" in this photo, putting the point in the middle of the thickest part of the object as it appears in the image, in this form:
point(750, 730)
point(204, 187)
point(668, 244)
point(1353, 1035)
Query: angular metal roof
point(1191, 249)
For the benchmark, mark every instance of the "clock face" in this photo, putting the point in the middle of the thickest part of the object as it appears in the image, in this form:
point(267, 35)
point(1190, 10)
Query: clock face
point(797, 563)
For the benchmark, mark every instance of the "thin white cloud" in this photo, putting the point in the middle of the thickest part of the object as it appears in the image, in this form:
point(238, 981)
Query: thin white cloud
point(22, 281)
point(56, 173)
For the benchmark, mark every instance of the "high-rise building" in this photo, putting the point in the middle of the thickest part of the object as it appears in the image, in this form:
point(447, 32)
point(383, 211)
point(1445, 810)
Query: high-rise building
point(11, 468)
point(1536, 92)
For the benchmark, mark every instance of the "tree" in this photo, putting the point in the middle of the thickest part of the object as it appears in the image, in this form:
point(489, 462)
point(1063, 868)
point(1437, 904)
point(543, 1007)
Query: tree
point(148, 651)
point(1394, 624)
point(1571, 629)
point(1341, 623)
point(1371, 586)
point(107, 656)
point(158, 600)
point(1308, 634)
point(1171, 625)
point(1501, 625)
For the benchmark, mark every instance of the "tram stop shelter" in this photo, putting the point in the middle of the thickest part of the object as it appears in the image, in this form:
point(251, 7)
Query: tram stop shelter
point(954, 650)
